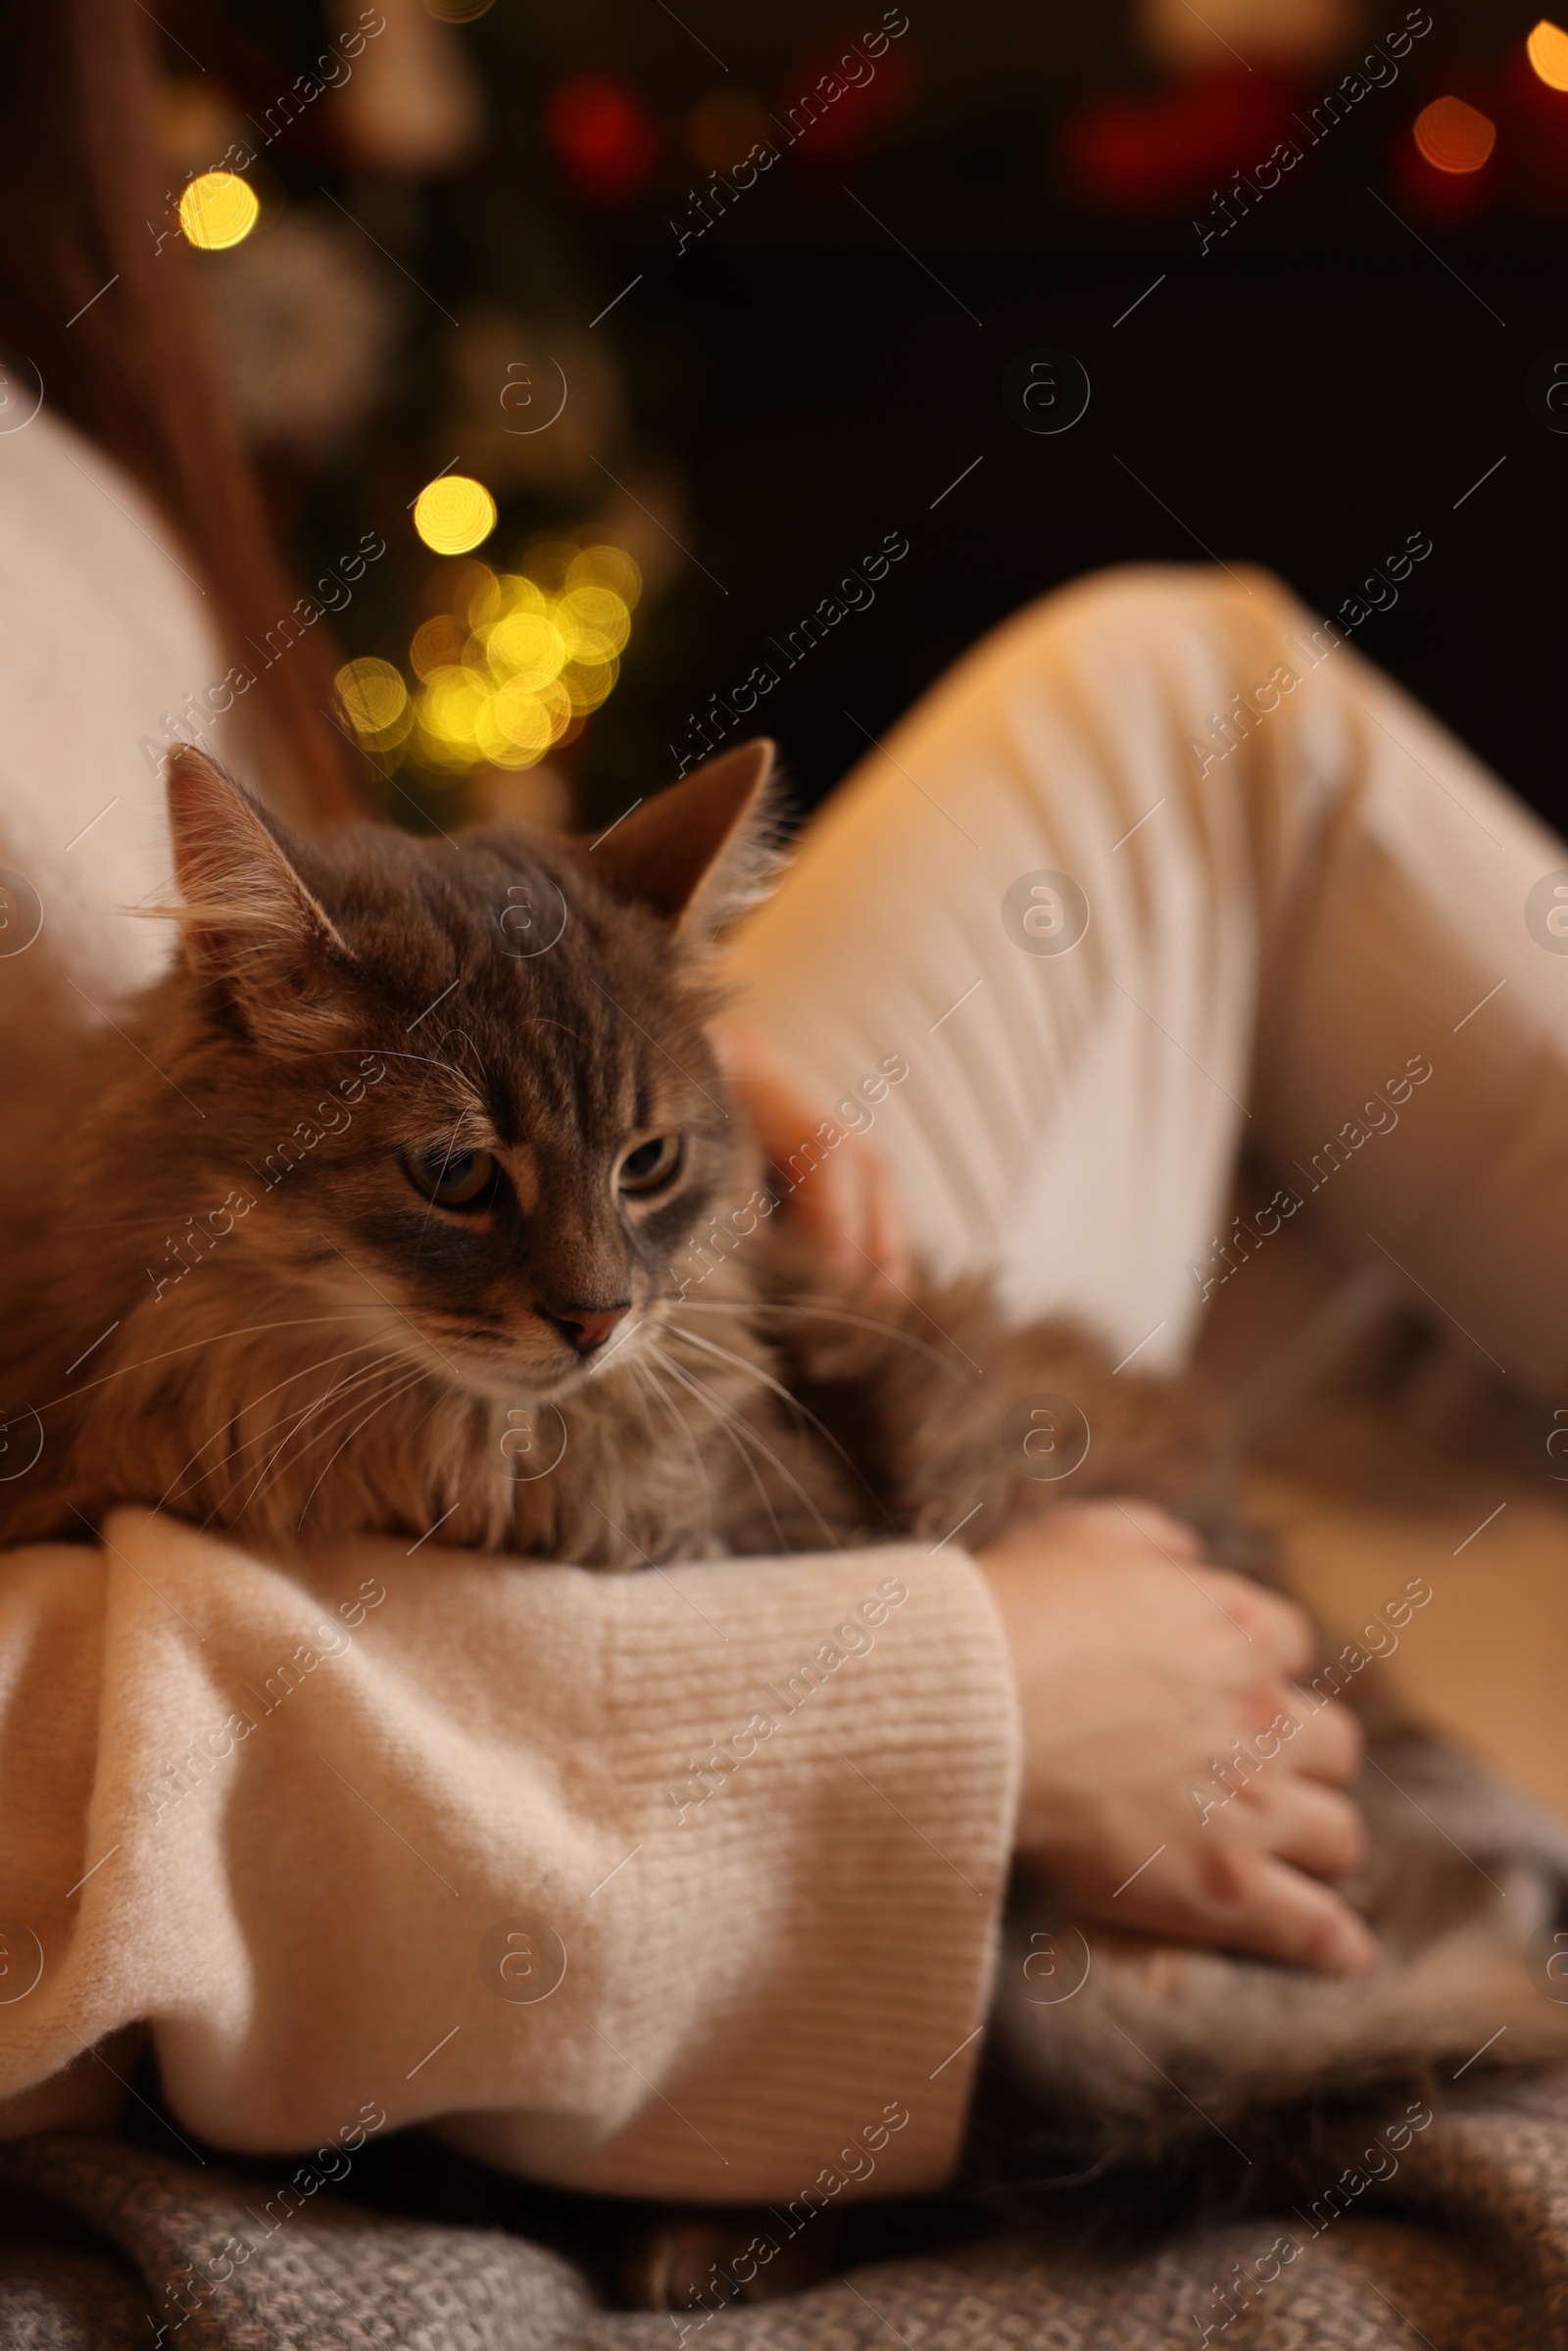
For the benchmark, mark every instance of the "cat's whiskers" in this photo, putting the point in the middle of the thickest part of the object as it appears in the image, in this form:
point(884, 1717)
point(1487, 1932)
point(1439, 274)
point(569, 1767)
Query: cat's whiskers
point(430, 1204)
point(334, 1392)
point(749, 1434)
point(460, 1078)
point(636, 1389)
point(657, 1387)
point(287, 1381)
point(399, 1314)
point(755, 1371)
point(388, 1053)
point(245, 1440)
point(380, 1405)
point(400, 1378)
point(240, 1459)
point(416, 1338)
point(743, 1430)
point(723, 1420)
point(814, 1309)
point(294, 1322)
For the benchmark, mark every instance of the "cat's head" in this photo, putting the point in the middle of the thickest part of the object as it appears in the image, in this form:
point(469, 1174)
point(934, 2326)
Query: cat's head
point(470, 1079)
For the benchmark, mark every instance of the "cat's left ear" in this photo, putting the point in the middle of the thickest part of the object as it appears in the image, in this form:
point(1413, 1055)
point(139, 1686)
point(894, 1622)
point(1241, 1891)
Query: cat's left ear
point(702, 850)
point(251, 925)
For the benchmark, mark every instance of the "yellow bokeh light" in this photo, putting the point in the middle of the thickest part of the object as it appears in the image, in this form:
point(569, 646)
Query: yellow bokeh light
point(516, 592)
point(548, 555)
point(526, 646)
point(454, 513)
point(519, 725)
point(515, 662)
point(449, 703)
point(604, 567)
point(436, 644)
point(217, 210)
point(1547, 51)
point(373, 697)
point(481, 596)
point(594, 622)
point(589, 682)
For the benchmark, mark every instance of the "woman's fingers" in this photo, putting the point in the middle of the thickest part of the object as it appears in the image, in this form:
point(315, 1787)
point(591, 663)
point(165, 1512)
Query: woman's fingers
point(841, 1191)
point(1259, 1864)
point(847, 1204)
point(1309, 1825)
point(1246, 1898)
point(1171, 1536)
point(887, 1234)
point(1329, 1742)
point(1280, 1630)
point(1295, 1918)
point(1176, 1778)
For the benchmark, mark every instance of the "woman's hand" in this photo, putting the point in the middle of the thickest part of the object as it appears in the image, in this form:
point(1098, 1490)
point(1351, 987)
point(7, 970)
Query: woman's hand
point(1138, 1665)
point(841, 1193)
point(1139, 1670)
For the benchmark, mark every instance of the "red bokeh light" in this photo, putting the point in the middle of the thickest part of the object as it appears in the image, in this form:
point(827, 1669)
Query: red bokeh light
point(1145, 154)
point(604, 136)
point(852, 114)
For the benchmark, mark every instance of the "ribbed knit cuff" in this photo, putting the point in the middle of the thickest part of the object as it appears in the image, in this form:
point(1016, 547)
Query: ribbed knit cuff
point(820, 1756)
point(679, 1883)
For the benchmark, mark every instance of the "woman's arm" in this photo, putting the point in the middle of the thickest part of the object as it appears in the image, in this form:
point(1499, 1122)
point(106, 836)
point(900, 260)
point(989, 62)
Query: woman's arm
point(1138, 1665)
point(680, 1883)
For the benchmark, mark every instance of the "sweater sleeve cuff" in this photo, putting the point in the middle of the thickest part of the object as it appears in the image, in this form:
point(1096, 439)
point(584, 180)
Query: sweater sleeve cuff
point(678, 1883)
point(821, 1760)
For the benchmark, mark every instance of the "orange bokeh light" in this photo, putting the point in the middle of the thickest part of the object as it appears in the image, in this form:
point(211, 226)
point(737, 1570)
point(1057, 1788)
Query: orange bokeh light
point(1453, 136)
point(1547, 51)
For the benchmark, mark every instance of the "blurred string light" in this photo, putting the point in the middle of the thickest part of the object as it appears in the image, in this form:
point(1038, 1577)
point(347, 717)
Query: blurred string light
point(513, 673)
point(217, 210)
point(375, 703)
point(1453, 136)
point(454, 513)
point(604, 136)
point(1547, 51)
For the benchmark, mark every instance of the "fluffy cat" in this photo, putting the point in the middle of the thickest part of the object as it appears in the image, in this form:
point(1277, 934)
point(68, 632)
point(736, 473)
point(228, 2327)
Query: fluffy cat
point(376, 1228)
point(400, 1163)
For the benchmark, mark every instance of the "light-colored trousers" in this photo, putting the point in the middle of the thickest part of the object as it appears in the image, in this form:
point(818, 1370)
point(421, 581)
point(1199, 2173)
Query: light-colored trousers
point(1311, 933)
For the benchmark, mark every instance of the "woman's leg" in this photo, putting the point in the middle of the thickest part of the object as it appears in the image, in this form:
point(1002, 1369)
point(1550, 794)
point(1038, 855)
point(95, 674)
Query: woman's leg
point(1309, 929)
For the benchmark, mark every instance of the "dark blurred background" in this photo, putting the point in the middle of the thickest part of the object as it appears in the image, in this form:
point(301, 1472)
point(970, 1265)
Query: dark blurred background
point(771, 368)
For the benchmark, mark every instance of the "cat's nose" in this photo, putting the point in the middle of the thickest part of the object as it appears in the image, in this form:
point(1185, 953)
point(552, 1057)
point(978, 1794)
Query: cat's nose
point(586, 1327)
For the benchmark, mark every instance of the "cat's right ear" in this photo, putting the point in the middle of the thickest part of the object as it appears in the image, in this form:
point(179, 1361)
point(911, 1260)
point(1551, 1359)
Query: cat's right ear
point(251, 926)
point(702, 850)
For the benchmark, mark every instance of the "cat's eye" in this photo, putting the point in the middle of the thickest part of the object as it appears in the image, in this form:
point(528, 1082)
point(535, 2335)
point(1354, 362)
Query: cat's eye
point(653, 1166)
point(453, 1179)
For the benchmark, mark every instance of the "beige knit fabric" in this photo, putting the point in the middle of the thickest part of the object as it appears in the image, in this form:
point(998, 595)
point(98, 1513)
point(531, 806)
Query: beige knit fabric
point(317, 1841)
point(435, 1831)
